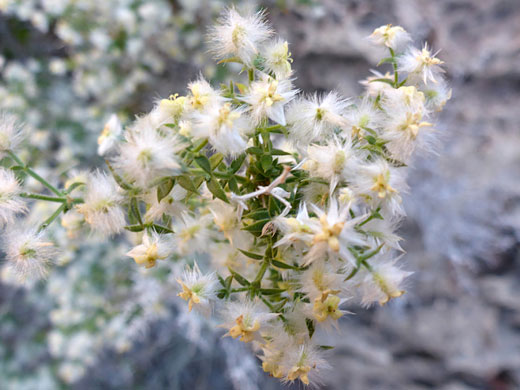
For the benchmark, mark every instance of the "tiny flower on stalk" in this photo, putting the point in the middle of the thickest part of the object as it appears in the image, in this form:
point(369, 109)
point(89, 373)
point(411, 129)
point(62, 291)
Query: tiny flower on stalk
point(303, 362)
point(28, 254)
point(277, 58)
point(393, 37)
point(239, 36)
point(315, 117)
point(422, 64)
point(197, 288)
point(102, 208)
point(382, 282)
point(147, 154)
point(246, 319)
point(225, 126)
point(154, 247)
point(267, 98)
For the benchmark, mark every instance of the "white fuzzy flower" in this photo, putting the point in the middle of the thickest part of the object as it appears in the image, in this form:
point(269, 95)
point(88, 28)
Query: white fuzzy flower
point(267, 98)
point(10, 202)
point(198, 289)
point(169, 110)
point(393, 37)
point(333, 233)
point(191, 233)
point(437, 94)
point(315, 117)
point(102, 208)
point(109, 137)
point(277, 58)
point(225, 127)
point(404, 127)
point(335, 161)
point(421, 64)
point(239, 36)
point(148, 154)
point(201, 95)
point(246, 319)
point(380, 183)
point(11, 133)
point(321, 276)
point(303, 361)
point(153, 247)
point(28, 255)
point(383, 282)
point(363, 118)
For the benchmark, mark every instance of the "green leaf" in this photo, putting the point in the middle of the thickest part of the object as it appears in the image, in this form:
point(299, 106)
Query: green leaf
point(267, 162)
point(134, 209)
point(280, 264)
point(239, 278)
point(164, 188)
point(186, 183)
point(385, 60)
point(387, 81)
point(257, 215)
point(310, 326)
point(217, 190)
point(326, 347)
point(271, 291)
point(203, 162)
point(233, 185)
point(237, 163)
point(255, 150)
point(215, 160)
point(371, 140)
point(252, 255)
point(135, 228)
point(161, 229)
point(256, 227)
point(279, 152)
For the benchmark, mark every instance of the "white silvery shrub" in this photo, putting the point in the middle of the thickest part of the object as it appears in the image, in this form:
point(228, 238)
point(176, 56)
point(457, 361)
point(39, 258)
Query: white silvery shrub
point(282, 206)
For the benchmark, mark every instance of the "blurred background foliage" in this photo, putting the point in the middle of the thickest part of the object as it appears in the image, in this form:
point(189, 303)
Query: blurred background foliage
point(67, 65)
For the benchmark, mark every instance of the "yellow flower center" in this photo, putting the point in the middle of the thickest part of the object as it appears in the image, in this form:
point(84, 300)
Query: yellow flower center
point(227, 116)
point(270, 94)
point(382, 185)
point(329, 233)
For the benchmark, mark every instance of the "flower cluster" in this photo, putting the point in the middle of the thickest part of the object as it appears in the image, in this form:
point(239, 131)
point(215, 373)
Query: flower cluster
point(283, 206)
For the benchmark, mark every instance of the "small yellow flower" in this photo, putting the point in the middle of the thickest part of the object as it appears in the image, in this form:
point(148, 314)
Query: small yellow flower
point(174, 105)
point(389, 291)
point(272, 369)
point(244, 329)
point(188, 295)
point(299, 372)
point(382, 185)
point(327, 306)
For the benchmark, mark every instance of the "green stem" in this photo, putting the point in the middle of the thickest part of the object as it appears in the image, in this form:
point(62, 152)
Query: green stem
point(394, 63)
point(200, 146)
point(44, 197)
point(251, 74)
point(54, 215)
point(32, 173)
